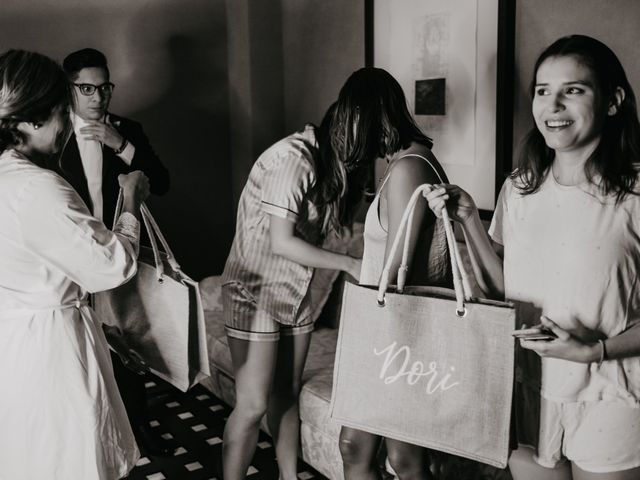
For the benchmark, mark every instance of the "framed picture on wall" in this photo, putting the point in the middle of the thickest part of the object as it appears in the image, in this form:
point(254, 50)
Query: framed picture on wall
point(454, 61)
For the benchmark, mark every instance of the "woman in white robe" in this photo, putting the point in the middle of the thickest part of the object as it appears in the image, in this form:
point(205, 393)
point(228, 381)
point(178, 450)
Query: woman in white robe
point(61, 416)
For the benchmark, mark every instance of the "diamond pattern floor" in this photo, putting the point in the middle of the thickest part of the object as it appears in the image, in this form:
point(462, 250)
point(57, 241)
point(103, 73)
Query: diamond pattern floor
point(195, 422)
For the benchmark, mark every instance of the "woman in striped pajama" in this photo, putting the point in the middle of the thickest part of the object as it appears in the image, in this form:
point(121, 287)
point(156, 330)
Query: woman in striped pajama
point(298, 190)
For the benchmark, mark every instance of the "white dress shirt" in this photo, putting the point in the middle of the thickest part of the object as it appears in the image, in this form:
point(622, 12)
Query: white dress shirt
point(91, 157)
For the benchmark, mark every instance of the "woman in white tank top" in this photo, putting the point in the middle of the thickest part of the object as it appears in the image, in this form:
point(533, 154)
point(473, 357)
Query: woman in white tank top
point(376, 123)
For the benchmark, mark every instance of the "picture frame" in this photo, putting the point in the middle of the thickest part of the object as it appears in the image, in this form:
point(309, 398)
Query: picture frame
point(454, 61)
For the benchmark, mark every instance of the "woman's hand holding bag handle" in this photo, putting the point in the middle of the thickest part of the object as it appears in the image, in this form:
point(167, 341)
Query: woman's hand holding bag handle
point(153, 230)
point(461, 283)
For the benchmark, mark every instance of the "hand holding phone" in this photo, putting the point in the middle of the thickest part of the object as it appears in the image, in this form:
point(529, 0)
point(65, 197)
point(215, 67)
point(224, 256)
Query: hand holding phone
point(535, 333)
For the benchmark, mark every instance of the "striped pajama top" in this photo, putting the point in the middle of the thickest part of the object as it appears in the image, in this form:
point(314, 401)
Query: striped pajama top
point(278, 185)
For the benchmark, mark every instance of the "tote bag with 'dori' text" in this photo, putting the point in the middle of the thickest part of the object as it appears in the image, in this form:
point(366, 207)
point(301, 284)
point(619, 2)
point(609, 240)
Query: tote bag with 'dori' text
point(426, 365)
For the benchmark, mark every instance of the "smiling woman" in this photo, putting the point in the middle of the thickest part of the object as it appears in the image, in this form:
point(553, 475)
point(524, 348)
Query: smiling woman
point(585, 114)
point(567, 226)
point(568, 111)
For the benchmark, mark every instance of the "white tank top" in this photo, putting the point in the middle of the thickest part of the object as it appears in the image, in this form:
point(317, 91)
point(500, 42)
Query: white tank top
point(436, 261)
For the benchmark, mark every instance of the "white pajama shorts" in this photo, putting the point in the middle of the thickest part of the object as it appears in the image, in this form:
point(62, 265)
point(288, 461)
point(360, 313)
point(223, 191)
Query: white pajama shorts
point(599, 437)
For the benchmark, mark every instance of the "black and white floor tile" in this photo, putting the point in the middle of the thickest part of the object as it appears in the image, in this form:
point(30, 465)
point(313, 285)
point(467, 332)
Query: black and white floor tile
point(194, 422)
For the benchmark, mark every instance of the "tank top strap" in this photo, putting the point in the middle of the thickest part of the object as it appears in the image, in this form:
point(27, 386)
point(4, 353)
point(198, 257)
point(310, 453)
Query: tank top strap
point(388, 174)
point(428, 162)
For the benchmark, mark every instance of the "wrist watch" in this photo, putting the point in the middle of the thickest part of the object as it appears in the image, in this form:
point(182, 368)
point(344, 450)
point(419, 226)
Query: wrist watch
point(122, 146)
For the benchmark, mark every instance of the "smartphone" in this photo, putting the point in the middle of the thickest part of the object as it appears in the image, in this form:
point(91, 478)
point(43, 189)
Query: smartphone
point(535, 333)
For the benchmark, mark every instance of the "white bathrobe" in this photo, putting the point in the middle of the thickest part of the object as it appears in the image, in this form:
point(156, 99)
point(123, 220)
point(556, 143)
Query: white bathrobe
point(61, 416)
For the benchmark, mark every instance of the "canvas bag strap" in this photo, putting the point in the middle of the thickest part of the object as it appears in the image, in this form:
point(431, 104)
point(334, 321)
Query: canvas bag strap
point(118, 209)
point(171, 259)
point(460, 277)
point(154, 244)
point(461, 287)
point(153, 229)
point(154, 248)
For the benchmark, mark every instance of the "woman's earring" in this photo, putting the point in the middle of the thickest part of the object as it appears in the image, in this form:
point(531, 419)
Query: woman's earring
point(618, 98)
point(36, 126)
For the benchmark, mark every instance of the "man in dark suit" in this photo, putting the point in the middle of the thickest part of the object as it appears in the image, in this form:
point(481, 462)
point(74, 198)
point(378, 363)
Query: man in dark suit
point(102, 147)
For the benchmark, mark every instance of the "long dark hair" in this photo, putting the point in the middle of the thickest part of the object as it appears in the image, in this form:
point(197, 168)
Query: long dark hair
point(32, 86)
point(619, 148)
point(369, 120)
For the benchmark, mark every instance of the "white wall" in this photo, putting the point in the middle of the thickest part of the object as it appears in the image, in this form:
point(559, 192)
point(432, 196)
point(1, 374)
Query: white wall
point(323, 43)
point(287, 62)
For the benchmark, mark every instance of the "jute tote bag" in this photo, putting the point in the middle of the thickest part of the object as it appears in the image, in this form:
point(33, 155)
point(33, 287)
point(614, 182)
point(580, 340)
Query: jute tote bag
point(160, 313)
point(426, 365)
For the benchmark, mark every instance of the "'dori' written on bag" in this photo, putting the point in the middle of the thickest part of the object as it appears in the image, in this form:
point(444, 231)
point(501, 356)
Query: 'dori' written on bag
point(427, 365)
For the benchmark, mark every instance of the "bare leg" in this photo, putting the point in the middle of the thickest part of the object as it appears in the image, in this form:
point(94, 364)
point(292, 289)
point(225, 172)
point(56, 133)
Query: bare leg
point(283, 416)
point(579, 474)
point(253, 365)
point(358, 450)
point(410, 462)
point(523, 467)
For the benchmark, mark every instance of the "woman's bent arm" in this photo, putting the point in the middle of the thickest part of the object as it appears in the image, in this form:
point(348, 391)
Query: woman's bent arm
point(485, 260)
point(286, 244)
point(569, 347)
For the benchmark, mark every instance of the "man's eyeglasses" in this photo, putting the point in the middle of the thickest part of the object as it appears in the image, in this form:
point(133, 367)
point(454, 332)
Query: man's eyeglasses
point(89, 89)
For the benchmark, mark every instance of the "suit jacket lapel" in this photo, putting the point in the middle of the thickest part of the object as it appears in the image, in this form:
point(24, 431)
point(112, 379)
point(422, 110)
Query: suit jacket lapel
point(112, 166)
point(110, 161)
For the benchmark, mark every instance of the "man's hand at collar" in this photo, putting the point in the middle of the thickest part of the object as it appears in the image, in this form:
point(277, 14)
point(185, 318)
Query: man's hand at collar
point(102, 132)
